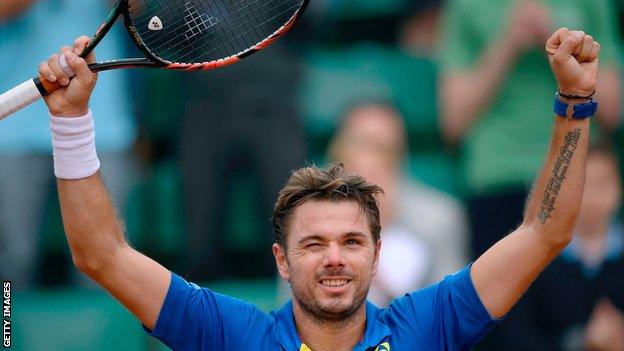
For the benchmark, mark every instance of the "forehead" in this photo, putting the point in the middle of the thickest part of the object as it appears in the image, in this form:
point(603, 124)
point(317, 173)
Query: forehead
point(328, 219)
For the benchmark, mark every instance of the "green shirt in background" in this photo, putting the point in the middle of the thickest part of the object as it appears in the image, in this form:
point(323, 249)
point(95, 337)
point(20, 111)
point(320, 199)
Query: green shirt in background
point(506, 145)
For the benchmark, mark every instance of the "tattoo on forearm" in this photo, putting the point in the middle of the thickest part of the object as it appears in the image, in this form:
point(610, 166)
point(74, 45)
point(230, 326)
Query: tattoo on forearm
point(562, 163)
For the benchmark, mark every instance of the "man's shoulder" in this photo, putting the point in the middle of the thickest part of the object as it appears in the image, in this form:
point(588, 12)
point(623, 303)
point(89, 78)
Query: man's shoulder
point(194, 317)
point(227, 306)
point(413, 318)
point(447, 313)
point(421, 302)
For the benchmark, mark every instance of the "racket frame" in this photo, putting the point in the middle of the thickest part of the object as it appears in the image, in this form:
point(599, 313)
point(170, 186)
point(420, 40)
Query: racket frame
point(153, 61)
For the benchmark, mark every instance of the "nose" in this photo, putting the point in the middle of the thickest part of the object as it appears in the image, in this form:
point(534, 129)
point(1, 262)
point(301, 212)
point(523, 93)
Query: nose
point(334, 256)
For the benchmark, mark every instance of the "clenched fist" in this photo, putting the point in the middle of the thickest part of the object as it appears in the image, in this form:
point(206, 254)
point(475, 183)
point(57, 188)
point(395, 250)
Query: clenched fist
point(72, 99)
point(573, 57)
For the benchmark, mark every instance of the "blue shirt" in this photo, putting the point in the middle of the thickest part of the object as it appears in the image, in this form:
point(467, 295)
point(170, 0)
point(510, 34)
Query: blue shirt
point(445, 316)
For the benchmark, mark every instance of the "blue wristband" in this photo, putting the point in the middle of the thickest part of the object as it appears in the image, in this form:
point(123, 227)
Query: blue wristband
point(575, 111)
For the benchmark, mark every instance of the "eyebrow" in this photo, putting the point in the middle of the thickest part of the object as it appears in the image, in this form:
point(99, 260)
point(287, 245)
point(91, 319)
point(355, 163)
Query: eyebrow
point(355, 234)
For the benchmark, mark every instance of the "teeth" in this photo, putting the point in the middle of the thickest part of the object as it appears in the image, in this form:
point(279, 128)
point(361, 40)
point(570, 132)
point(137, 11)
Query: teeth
point(334, 282)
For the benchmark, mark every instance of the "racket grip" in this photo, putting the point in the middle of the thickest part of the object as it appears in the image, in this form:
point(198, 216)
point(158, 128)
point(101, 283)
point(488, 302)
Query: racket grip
point(18, 98)
point(30, 91)
point(25, 94)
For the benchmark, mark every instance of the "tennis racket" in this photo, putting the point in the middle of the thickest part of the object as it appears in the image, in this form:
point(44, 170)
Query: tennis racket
point(179, 34)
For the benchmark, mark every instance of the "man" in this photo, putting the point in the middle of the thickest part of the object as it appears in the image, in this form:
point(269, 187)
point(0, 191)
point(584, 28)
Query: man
point(327, 241)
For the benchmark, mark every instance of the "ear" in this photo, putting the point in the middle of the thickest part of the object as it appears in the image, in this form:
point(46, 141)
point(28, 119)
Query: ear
point(280, 260)
point(376, 260)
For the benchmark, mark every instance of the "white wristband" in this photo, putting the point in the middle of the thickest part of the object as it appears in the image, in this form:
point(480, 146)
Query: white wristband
point(73, 143)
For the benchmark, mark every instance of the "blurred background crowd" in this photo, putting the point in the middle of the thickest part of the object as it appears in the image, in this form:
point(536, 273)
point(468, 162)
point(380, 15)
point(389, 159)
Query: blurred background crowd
point(447, 104)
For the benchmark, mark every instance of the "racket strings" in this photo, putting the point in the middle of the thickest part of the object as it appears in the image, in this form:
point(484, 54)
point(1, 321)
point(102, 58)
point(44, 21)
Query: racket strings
point(190, 48)
point(181, 47)
point(236, 38)
point(201, 31)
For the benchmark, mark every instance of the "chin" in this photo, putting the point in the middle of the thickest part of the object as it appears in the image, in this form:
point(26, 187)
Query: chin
point(339, 309)
point(331, 307)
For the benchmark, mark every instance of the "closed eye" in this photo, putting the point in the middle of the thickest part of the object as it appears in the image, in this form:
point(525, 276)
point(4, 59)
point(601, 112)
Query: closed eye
point(313, 246)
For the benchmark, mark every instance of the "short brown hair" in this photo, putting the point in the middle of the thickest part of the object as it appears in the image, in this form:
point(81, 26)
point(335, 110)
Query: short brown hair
point(333, 183)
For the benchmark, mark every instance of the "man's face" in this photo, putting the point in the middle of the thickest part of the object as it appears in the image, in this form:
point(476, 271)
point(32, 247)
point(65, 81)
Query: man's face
point(331, 258)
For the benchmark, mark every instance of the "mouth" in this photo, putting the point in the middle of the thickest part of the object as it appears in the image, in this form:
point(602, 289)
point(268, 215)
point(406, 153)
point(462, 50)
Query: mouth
point(334, 285)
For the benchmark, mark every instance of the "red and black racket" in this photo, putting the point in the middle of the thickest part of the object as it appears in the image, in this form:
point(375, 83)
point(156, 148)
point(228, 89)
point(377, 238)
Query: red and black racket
point(179, 34)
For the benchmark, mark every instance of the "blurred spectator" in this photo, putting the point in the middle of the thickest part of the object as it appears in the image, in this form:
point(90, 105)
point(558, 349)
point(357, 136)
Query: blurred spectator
point(496, 100)
point(25, 147)
point(423, 236)
point(578, 302)
point(419, 30)
point(240, 124)
point(10, 9)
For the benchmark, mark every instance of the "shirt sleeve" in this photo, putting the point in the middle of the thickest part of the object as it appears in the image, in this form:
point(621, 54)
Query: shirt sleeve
point(194, 318)
point(446, 316)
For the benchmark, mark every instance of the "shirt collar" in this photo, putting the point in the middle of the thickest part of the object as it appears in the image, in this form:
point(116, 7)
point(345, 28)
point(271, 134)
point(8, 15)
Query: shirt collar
point(286, 332)
point(288, 338)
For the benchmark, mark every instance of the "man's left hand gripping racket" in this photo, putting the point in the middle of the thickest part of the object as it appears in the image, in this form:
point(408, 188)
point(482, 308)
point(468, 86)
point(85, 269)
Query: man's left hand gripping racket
point(179, 34)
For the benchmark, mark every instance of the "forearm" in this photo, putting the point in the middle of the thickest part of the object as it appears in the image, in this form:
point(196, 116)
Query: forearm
point(9, 9)
point(556, 198)
point(99, 249)
point(504, 272)
point(465, 95)
point(93, 231)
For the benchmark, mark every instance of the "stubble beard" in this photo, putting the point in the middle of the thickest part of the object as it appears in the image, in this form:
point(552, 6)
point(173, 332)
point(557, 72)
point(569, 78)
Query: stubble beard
point(335, 312)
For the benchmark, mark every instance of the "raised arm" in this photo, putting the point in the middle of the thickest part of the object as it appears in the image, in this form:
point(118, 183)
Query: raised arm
point(94, 233)
point(507, 269)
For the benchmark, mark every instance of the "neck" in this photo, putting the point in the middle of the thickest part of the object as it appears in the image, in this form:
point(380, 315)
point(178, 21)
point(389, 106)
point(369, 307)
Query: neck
point(330, 335)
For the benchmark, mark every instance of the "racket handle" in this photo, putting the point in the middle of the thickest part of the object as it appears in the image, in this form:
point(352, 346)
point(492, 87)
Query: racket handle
point(18, 98)
point(30, 91)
